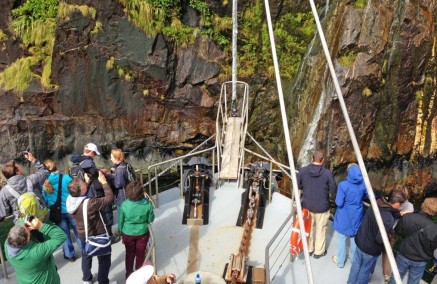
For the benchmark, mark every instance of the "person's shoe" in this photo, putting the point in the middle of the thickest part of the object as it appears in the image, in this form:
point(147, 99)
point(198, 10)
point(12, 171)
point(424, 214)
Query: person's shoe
point(70, 259)
point(334, 260)
point(311, 253)
point(316, 256)
point(113, 282)
point(91, 281)
point(115, 239)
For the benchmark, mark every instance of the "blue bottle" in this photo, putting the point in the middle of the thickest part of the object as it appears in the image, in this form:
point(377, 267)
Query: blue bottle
point(197, 280)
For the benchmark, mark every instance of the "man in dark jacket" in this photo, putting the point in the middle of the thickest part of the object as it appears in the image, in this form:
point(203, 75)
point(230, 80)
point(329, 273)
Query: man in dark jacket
point(419, 234)
point(95, 189)
point(369, 238)
point(78, 193)
point(317, 183)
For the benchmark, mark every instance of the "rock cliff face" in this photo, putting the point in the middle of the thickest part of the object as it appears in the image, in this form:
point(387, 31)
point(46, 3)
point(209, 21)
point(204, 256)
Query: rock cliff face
point(384, 55)
point(119, 87)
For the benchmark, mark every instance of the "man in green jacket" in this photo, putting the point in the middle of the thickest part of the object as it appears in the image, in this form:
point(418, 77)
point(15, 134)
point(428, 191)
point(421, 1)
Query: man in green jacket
point(33, 261)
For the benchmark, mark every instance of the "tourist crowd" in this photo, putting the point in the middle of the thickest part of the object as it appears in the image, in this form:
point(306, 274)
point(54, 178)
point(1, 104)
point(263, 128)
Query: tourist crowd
point(80, 202)
point(415, 231)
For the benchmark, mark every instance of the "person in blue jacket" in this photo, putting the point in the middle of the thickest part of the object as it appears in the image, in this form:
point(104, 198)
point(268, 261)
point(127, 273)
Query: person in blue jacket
point(50, 194)
point(349, 214)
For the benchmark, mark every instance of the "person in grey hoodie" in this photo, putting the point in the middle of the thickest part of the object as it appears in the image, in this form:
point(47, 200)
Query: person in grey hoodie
point(317, 183)
point(16, 181)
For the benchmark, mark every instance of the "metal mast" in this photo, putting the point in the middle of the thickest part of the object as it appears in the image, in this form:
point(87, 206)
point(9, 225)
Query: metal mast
point(234, 57)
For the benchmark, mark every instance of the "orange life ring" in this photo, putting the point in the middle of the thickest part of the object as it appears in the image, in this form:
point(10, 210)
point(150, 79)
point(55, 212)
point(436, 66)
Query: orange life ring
point(296, 245)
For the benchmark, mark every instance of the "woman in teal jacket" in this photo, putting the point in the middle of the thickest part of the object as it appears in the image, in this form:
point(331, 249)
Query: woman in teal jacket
point(134, 217)
point(50, 194)
point(33, 261)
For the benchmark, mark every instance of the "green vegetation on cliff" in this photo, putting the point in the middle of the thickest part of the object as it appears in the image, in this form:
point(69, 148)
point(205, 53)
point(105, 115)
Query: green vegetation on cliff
point(35, 23)
point(292, 31)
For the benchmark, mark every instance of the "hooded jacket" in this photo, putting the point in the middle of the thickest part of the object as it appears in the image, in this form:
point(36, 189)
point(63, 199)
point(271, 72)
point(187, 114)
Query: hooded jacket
point(350, 193)
point(317, 183)
point(95, 224)
point(22, 184)
point(369, 238)
point(34, 263)
point(86, 163)
point(420, 236)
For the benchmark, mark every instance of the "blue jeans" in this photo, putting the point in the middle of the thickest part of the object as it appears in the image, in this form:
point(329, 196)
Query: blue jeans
point(342, 250)
point(68, 222)
point(362, 265)
point(103, 270)
point(414, 268)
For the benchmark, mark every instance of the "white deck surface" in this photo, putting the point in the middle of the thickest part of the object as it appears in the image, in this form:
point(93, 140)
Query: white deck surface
point(216, 242)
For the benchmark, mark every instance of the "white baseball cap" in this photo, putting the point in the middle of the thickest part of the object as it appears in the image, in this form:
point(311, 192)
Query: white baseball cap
point(142, 275)
point(92, 147)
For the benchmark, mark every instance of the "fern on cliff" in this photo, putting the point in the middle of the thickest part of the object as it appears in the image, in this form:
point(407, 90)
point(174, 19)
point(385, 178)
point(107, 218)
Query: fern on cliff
point(34, 22)
point(163, 16)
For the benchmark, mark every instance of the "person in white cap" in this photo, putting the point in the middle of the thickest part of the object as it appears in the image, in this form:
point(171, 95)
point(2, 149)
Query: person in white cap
point(90, 149)
point(145, 275)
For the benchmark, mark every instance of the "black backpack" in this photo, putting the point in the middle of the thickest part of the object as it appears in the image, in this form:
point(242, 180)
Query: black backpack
point(131, 175)
point(77, 171)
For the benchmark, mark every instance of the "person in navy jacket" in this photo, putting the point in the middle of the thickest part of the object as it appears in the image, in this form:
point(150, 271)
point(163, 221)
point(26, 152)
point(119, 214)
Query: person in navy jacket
point(317, 183)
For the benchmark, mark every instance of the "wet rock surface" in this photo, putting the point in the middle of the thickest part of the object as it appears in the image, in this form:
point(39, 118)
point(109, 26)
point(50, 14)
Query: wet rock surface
point(118, 87)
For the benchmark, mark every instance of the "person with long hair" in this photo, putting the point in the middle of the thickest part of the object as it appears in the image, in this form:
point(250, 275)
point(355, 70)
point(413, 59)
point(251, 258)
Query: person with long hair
point(136, 212)
point(50, 194)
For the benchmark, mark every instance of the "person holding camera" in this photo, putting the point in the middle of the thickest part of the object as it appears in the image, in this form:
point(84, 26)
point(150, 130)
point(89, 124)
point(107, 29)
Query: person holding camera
point(78, 190)
point(33, 261)
point(17, 184)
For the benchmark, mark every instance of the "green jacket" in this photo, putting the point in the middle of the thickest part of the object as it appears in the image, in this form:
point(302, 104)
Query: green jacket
point(34, 264)
point(134, 216)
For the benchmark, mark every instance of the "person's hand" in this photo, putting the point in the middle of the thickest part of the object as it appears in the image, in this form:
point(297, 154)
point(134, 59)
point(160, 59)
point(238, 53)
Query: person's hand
point(87, 178)
point(34, 224)
point(29, 156)
point(171, 278)
point(102, 178)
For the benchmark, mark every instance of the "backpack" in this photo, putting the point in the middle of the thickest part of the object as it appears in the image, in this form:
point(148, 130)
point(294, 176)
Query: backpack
point(131, 175)
point(76, 170)
point(29, 205)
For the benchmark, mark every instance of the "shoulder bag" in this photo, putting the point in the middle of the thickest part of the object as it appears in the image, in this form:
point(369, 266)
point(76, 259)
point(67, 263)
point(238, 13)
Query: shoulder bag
point(95, 245)
point(55, 214)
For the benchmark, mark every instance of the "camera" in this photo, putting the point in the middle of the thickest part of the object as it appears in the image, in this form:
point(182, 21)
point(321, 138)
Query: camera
point(28, 219)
